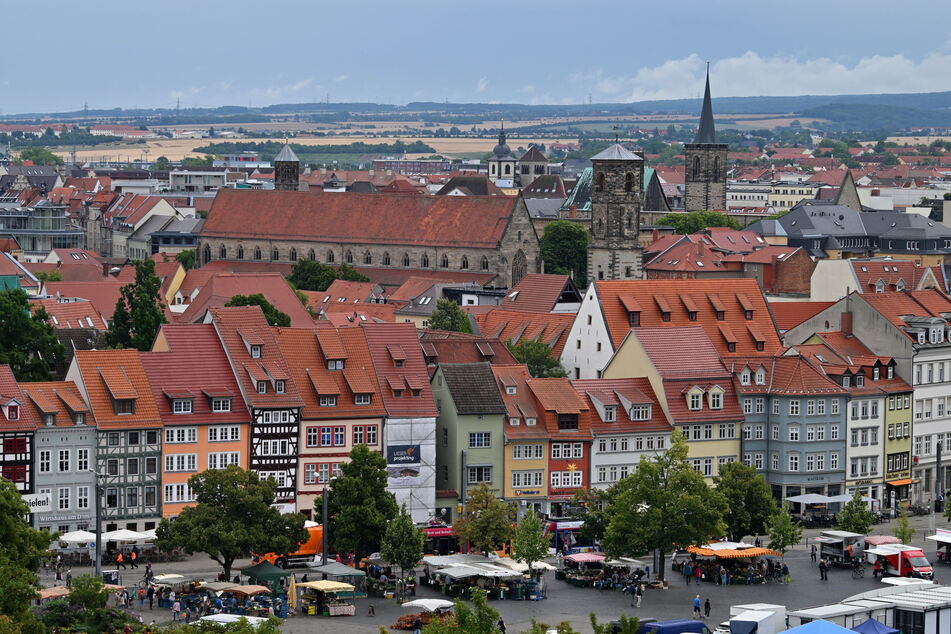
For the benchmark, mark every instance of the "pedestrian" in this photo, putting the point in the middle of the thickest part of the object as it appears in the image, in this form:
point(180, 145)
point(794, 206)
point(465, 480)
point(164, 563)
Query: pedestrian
point(688, 572)
point(501, 625)
point(813, 553)
point(150, 593)
point(749, 575)
point(120, 563)
point(69, 578)
point(141, 594)
point(639, 593)
point(785, 573)
point(417, 626)
point(371, 611)
point(697, 573)
point(132, 557)
point(724, 576)
point(59, 575)
point(696, 607)
point(176, 610)
point(706, 608)
point(822, 570)
point(188, 616)
point(46, 568)
point(757, 542)
point(148, 567)
point(647, 573)
point(876, 569)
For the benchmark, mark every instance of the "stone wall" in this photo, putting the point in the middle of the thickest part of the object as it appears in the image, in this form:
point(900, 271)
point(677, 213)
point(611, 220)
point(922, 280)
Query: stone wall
point(706, 187)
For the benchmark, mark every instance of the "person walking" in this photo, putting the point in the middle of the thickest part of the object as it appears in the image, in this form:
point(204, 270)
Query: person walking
point(697, 574)
point(120, 562)
point(69, 578)
point(724, 576)
point(417, 626)
point(132, 557)
point(501, 625)
point(696, 607)
point(639, 594)
point(632, 590)
point(813, 553)
point(150, 593)
point(176, 610)
point(749, 575)
point(822, 570)
point(785, 573)
point(688, 572)
point(706, 608)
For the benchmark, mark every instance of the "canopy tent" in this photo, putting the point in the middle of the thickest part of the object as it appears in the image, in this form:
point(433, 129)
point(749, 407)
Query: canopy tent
point(226, 619)
point(336, 569)
point(819, 626)
point(310, 524)
point(264, 571)
point(810, 498)
point(520, 566)
point(625, 562)
point(586, 558)
point(122, 535)
point(169, 579)
point(459, 572)
point(248, 590)
point(52, 593)
point(878, 540)
point(731, 553)
point(215, 586)
point(327, 586)
point(149, 535)
point(872, 626)
point(942, 536)
point(845, 497)
point(430, 605)
point(78, 537)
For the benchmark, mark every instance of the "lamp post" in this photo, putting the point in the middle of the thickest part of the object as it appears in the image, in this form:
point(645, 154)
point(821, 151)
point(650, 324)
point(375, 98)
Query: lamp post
point(98, 523)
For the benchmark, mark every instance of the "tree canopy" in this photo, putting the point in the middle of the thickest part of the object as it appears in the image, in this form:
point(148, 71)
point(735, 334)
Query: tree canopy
point(487, 520)
point(402, 543)
point(564, 248)
point(40, 156)
point(665, 501)
point(233, 516)
point(697, 221)
point(449, 316)
point(750, 502)
point(273, 316)
point(21, 552)
point(537, 355)
point(481, 618)
point(855, 517)
point(530, 544)
point(310, 275)
point(28, 342)
point(359, 504)
point(903, 530)
point(139, 314)
point(783, 530)
point(186, 258)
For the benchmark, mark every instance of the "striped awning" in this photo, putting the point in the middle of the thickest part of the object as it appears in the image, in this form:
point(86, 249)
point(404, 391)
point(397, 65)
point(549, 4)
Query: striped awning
point(732, 553)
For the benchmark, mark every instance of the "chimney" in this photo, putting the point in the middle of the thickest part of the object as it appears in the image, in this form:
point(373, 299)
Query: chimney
point(323, 170)
point(573, 212)
point(846, 324)
point(654, 235)
point(700, 248)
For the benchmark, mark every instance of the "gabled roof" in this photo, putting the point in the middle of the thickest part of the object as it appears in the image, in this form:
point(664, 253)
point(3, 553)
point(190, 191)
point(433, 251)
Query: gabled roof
point(868, 273)
point(196, 363)
point(517, 326)
point(342, 315)
point(520, 405)
point(473, 388)
point(557, 396)
point(788, 375)
point(108, 374)
point(533, 155)
point(790, 314)
point(286, 155)
point(895, 306)
point(541, 292)
point(60, 398)
point(250, 319)
point(439, 350)
point(103, 295)
point(630, 391)
point(471, 185)
point(380, 337)
point(9, 390)
point(546, 186)
point(307, 363)
point(80, 314)
point(219, 290)
point(351, 292)
point(668, 347)
point(616, 152)
point(382, 219)
point(710, 295)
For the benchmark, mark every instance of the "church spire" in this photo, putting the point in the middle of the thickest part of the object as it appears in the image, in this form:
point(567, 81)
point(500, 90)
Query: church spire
point(707, 133)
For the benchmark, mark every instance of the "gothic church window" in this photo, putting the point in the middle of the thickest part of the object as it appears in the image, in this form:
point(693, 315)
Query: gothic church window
point(696, 167)
point(444, 261)
point(330, 257)
point(628, 182)
point(367, 258)
point(207, 253)
point(424, 262)
point(464, 264)
point(223, 252)
point(257, 253)
point(240, 253)
point(293, 255)
point(600, 183)
point(485, 263)
point(386, 259)
point(349, 257)
point(275, 254)
point(716, 169)
point(406, 259)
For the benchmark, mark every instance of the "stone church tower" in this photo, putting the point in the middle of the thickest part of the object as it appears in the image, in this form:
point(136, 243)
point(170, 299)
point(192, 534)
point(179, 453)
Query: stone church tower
point(286, 170)
point(616, 200)
point(705, 170)
point(502, 163)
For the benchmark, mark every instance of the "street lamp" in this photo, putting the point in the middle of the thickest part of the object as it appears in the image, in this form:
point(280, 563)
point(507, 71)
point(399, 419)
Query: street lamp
point(98, 522)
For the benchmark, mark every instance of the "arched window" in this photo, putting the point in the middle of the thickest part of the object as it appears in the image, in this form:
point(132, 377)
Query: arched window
point(464, 264)
point(330, 257)
point(716, 169)
point(696, 167)
point(406, 259)
point(600, 182)
point(275, 254)
point(349, 257)
point(240, 253)
point(207, 254)
point(519, 236)
point(629, 221)
point(444, 261)
point(628, 182)
point(386, 258)
point(367, 258)
point(293, 255)
point(424, 261)
point(484, 265)
point(257, 253)
point(519, 267)
point(600, 225)
point(223, 252)
point(508, 169)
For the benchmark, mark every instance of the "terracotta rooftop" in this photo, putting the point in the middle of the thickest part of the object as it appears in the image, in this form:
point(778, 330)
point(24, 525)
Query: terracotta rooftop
point(621, 392)
point(81, 314)
point(516, 326)
point(103, 295)
point(342, 315)
point(109, 374)
point(9, 390)
point(438, 350)
point(219, 290)
point(62, 399)
point(382, 339)
point(520, 405)
point(540, 293)
point(894, 274)
point(557, 396)
point(791, 314)
point(895, 305)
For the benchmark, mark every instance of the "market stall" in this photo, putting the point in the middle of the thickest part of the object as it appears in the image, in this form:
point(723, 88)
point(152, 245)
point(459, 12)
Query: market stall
point(253, 600)
point(942, 539)
point(336, 571)
point(429, 609)
point(325, 597)
point(740, 562)
point(581, 569)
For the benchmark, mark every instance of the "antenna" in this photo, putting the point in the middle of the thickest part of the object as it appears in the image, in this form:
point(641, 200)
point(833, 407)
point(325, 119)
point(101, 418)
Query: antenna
point(616, 128)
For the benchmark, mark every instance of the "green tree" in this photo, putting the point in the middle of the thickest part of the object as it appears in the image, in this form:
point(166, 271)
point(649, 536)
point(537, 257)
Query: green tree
point(40, 156)
point(629, 625)
point(233, 516)
point(529, 544)
point(783, 530)
point(564, 249)
point(687, 223)
point(161, 164)
point(28, 343)
point(538, 357)
point(667, 502)
point(49, 276)
point(588, 506)
point(139, 313)
point(310, 275)
point(21, 552)
point(273, 316)
point(903, 530)
point(88, 594)
point(449, 316)
point(350, 274)
point(402, 543)
point(192, 161)
point(481, 618)
point(750, 502)
point(855, 517)
point(487, 520)
point(359, 504)
point(186, 258)
point(889, 159)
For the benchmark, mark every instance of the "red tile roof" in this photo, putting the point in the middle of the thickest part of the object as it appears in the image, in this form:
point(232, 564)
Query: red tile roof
point(381, 337)
point(60, 398)
point(708, 294)
point(638, 391)
point(438, 350)
point(471, 221)
point(81, 314)
point(412, 288)
point(350, 292)
point(890, 272)
point(103, 295)
point(790, 375)
point(516, 326)
point(392, 277)
point(791, 314)
point(537, 293)
point(520, 405)
point(219, 290)
point(231, 324)
point(342, 315)
point(556, 396)
point(108, 374)
point(9, 389)
point(197, 364)
point(307, 362)
point(10, 266)
point(668, 347)
point(893, 305)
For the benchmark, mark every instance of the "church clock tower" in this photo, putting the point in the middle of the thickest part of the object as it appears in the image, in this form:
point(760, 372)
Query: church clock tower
point(705, 170)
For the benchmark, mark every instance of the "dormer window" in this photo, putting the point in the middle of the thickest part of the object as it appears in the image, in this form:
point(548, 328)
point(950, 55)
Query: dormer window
point(745, 376)
point(859, 380)
point(880, 286)
point(182, 406)
point(221, 405)
point(328, 401)
point(417, 392)
point(936, 335)
point(876, 374)
point(760, 346)
point(641, 412)
point(921, 336)
point(123, 406)
point(49, 419)
point(721, 315)
point(398, 363)
point(361, 399)
point(891, 372)
point(695, 401)
point(634, 318)
point(610, 413)
point(397, 393)
point(665, 315)
point(255, 352)
point(530, 422)
point(692, 315)
point(279, 387)
point(846, 381)
point(13, 412)
point(335, 364)
point(79, 418)
point(567, 422)
point(716, 399)
point(262, 387)
point(514, 421)
point(731, 346)
point(761, 377)
point(510, 389)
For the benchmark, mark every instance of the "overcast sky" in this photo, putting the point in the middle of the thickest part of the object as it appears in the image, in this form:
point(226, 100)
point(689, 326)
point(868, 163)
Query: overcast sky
point(113, 53)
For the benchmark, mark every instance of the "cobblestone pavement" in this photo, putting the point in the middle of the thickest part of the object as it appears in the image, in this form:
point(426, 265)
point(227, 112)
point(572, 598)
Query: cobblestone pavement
point(567, 603)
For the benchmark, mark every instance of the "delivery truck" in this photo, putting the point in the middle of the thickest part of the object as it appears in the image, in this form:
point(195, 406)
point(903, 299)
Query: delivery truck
point(901, 561)
point(841, 548)
point(306, 552)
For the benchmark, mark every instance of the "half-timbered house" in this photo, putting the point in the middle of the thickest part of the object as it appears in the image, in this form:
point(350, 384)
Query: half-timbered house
point(17, 428)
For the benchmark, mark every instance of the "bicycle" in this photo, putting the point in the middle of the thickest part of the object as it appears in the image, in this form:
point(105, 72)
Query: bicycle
point(858, 571)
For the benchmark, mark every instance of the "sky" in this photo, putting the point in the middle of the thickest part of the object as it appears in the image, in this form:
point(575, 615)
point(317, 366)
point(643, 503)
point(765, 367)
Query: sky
point(205, 53)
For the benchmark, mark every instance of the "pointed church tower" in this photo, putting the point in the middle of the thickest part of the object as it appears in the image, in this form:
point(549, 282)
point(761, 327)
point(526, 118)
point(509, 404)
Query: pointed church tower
point(705, 171)
point(286, 170)
point(848, 194)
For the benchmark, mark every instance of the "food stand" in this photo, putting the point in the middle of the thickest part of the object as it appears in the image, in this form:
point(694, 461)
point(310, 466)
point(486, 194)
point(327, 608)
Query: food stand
point(581, 569)
point(336, 571)
point(325, 597)
point(942, 537)
point(257, 600)
point(740, 561)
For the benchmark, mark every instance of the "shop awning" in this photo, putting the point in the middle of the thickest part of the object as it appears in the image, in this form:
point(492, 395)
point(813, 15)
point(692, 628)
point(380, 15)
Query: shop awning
point(903, 482)
point(586, 557)
point(732, 553)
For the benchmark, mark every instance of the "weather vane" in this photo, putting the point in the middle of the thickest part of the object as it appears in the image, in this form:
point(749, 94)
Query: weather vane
point(616, 138)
